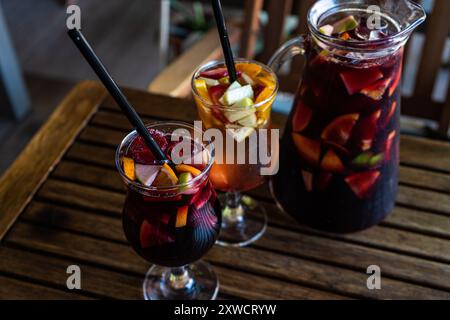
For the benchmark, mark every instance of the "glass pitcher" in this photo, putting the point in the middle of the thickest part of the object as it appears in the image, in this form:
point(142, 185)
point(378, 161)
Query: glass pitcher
point(340, 151)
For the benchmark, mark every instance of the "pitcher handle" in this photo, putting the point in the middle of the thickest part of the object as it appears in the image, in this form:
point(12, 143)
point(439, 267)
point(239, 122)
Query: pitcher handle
point(287, 51)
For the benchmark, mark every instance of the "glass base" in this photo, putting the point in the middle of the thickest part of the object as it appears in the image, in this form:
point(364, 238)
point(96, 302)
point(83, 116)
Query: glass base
point(197, 282)
point(242, 225)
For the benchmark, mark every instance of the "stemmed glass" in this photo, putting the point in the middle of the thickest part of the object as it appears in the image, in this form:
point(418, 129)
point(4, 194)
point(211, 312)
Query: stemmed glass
point(244, 220)
point(172, 226)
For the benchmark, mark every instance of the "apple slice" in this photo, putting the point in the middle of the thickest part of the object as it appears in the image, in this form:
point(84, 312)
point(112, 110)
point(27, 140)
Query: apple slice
point(146, 174)
point(347, 24)
point(249, 121)
point(388, 146)
point(339, 131)
point(216, 92)
point(390, 114)
point(302, 117)
point(356, 80)
point(377, 90)
point(235, 95)
point(362, 184)
point(326, 30)
point(248, 79)
point(366, 130)
point(308, 149)
point(210, 82)
point(332, 163)
point(308, 180)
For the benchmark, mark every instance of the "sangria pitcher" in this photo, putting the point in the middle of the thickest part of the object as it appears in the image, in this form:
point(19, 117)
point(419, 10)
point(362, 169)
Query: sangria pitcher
point(340, 151)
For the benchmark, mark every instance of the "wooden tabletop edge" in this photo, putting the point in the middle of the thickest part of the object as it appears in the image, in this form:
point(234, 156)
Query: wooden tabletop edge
point(22, 179)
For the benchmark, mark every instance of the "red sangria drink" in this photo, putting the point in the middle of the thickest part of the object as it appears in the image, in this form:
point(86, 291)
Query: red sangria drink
point(171, 216)
point(340, 151)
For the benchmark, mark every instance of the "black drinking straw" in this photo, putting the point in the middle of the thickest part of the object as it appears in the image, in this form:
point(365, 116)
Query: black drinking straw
point(95, 63)
point(224, 40)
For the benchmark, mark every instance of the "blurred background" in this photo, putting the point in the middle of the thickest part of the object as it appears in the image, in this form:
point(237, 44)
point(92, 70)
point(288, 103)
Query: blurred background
point(146, 42)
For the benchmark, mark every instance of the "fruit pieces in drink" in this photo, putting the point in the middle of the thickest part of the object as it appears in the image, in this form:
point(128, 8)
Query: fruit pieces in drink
point(232, 106)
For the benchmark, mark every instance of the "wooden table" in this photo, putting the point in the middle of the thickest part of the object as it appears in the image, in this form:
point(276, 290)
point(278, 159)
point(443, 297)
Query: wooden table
point(61, 201)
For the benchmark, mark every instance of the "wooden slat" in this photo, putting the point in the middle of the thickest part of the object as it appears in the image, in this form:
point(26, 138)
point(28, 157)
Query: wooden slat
point(425, 179)
point(101, 282)
point(405, 218)
point(278, 11)
point(425, 153)
point(122, 257)
point(250, 30)
point(12, 289)
point(75, 195)
point(175, 80)
point(21, 180)
point(257, 261)
point(434, 44)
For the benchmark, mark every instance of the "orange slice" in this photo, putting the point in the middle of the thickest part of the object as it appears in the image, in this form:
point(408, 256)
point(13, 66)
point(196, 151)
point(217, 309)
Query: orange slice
point(264, 95)
point(166, 177)
point(250, 69)
point(202, 89)
point(182, 214)
point(185, 168)
point(128, 167)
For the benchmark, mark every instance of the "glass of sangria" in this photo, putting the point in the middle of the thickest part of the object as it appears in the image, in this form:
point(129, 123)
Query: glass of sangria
point(340, 151)
point(171, 216)
point(240, 112)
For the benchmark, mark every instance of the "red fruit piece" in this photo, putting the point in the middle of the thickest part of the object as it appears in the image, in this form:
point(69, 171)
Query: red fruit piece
point(308, 179)
point(338, 132)
point(216, 92)
point(154, 235)
point(216, 74)
point(308, 149)
point(322, 181)
point(332, 163)
point(366, 130)
point(377, 90)
point(302, 117)
point(362, 184)
point(141, 153)
point(389, 143)
point(390, 114)
point(202, 197)
point(358, 79)
point(396, 82)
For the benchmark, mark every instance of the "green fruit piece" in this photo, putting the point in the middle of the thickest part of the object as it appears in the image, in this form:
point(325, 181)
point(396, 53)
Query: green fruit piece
point(224, 80)
point(376, 160)
point(210, 82)
point(233, 115)
point(363, 159)
point(235, 95)
point(347, 24)
point(184, 178)
point(249, 121)
point(326, 30)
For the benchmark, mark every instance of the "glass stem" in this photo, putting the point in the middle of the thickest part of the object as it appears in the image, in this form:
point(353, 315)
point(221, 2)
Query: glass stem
point(178, 279)
point(233, 211)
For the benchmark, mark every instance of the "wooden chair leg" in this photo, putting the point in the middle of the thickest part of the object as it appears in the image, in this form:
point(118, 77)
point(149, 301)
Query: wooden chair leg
point(11, 81)
point(251, 28)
